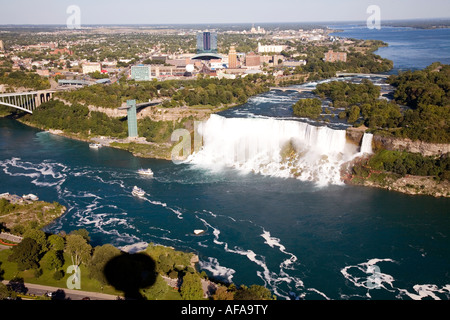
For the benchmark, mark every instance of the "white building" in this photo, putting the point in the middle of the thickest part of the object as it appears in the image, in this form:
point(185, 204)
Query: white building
point(270, 49)
point(90, 67)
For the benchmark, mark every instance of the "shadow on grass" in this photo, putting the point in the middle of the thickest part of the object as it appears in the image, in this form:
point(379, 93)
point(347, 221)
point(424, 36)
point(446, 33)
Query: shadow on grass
point(130, 273)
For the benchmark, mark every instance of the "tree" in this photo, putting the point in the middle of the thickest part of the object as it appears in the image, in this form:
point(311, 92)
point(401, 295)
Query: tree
point(82, 232)
point(353, 114)
point(158, 290)
point(222, 293)
point(26, 254)
point(100, 257)
point(56, 242)
point(78, 249)
point(254, 292)
point(4, 292)
point(191, 289)
point(310, 108)
point(52, 260)
point(40, 238)
point(164, 263)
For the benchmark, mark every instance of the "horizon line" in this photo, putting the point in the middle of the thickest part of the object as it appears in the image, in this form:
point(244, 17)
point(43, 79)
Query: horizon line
point(225, 23)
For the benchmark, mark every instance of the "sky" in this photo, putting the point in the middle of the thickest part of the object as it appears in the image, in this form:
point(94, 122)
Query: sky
point(225, 11)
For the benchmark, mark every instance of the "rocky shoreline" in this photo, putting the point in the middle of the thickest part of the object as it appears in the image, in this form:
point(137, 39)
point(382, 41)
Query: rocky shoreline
point(29, 210)
point(411, 185)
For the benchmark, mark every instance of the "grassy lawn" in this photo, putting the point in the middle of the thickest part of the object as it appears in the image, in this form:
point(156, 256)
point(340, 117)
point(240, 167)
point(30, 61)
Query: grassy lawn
point(87, 284)
point(10, 271)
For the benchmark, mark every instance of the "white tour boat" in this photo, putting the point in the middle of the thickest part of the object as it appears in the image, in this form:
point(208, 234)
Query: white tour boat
point(95, 145)
point(146, 172)
point(30, 197)
point(138, 192)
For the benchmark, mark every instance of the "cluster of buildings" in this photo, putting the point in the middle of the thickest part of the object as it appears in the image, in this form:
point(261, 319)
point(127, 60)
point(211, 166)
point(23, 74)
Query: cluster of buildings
point(310, 35)
point(332, 56)
point(207, 59)
point(257, 30)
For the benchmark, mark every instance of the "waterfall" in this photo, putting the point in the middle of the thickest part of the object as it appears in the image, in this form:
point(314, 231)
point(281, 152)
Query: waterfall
point(280, 148)
point(366, 144)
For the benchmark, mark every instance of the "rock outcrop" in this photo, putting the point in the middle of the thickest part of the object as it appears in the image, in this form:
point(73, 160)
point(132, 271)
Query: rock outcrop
point(355, 135)
point(403, 144)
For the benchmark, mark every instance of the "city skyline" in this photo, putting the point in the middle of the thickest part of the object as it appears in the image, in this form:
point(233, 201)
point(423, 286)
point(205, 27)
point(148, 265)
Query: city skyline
point(116, 12)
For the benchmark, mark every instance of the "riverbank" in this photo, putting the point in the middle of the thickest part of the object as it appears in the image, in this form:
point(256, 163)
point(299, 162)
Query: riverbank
point(139, 147)
point(17, 213)
point(360, 173)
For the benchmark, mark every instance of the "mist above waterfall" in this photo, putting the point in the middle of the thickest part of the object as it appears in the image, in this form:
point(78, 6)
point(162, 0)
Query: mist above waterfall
point(279, 148)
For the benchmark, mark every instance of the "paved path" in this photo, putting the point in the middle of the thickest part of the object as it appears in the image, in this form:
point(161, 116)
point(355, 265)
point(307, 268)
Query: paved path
point(10, 237)
point(40, 290)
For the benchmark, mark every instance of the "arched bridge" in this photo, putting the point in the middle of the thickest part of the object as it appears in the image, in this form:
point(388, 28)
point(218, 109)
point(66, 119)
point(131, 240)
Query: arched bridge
point(26, 101)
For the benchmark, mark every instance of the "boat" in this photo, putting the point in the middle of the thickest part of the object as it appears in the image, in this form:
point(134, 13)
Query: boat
point(30, 197)
point(198, 231)
point(146, 172)
point(95, 145)
point(138, 192)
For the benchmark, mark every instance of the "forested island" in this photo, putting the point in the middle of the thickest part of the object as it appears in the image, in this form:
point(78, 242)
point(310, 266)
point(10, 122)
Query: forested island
point(419, 113)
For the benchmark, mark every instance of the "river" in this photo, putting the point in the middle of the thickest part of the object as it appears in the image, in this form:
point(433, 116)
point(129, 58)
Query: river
point(409, 48)
point(300, 238)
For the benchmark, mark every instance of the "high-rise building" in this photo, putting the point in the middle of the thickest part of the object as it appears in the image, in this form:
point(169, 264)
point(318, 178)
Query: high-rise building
point(207, 42)
point(2, 48)
point(232, 58)
point(141, 73)
point(252, 60)
point(270, 48)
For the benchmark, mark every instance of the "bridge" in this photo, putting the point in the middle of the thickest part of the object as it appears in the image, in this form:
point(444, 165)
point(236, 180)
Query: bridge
point(343, 74)
point(284, 89)
point(26, 101)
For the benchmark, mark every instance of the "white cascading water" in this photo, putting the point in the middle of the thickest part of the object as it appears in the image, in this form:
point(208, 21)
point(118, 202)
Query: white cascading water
point(280, 148)
point(366, 144)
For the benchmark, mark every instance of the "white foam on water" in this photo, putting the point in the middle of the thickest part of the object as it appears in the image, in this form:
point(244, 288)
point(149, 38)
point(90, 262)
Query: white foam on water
point(372, 277)
point(271, 279)
point(366, 275)
point(256, 145)
point(212, 265)
point(427, 290)
point(44, 174)
point(275, 242)
point(178, 213)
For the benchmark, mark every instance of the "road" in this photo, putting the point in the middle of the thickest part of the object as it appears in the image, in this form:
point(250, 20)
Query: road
point(64, 293)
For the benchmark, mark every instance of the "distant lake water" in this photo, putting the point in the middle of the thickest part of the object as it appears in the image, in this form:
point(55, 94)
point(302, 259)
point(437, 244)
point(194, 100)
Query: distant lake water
point(409, 48)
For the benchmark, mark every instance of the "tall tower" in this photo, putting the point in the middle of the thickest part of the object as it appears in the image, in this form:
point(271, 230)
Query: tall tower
point(2, 48)
point(132, 119)
point(232, 58)
point(206, 42)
